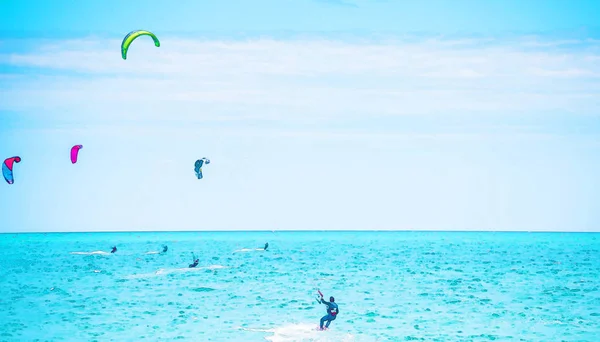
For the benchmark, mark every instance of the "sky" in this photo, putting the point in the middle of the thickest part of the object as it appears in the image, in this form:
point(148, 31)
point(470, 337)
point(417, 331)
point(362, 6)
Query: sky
point(316, 115)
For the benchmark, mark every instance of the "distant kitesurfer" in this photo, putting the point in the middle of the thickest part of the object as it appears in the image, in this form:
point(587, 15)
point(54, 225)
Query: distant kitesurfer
point(165, 248)
point(114, 249)
point(195, 263)
point(332, 311)
point(266, 246)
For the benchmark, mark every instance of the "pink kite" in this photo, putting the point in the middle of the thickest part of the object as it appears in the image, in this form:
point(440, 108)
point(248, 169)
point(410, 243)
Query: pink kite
point(7, 168)
point(74, 153)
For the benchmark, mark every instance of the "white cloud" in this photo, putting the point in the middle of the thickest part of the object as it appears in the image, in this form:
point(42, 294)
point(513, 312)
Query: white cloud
point(301, 80)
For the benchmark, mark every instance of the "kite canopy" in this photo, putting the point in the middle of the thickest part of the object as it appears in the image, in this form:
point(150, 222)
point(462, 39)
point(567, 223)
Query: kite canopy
point(198, 166)
point(75, 152)
point(131, 36)
point(7, 168)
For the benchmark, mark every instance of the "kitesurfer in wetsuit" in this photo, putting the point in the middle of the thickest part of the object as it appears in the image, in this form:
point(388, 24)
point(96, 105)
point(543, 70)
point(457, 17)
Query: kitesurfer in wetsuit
point(332, 311)
point(195, 263)
point(266, 246)
point(165, 249)
point(114, 249)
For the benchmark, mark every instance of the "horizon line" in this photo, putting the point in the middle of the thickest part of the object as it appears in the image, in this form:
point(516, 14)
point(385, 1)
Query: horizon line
point(289, 33)
point(307, 230)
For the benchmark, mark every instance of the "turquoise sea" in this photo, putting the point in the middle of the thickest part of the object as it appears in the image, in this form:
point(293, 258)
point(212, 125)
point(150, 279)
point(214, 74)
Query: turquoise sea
point(390, 286)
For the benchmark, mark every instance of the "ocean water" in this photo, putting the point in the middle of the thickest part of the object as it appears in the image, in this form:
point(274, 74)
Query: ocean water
point(390, 286)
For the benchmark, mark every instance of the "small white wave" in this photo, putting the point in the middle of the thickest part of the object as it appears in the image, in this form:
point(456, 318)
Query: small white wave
point(140, 276)
point(326, 278)
point(302, 332)
point(246, 250)
point(91, 253)
point(254, 330)
point(216, 267)
point(165, 271)
point(190, 269)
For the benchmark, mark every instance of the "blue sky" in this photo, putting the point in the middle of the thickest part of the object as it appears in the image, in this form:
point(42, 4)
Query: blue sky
point(315, 115)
